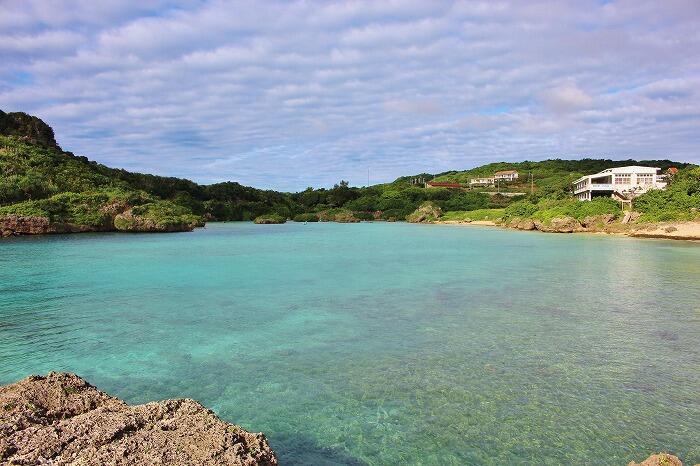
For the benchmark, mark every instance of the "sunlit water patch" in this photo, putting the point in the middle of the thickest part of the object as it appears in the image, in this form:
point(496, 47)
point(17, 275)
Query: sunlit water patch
point(373, 344)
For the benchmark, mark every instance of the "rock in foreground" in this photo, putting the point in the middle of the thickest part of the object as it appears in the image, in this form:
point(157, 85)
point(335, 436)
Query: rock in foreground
point(662, 459)
point(60, 419)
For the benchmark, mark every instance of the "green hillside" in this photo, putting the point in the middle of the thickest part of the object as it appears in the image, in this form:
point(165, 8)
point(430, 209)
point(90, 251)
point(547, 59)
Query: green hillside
point(33, 168)
point(549, 176)
point(39, 180)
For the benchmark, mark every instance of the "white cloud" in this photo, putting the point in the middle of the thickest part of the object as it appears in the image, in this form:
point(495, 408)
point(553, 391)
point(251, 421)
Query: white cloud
point(290, 94)
point(566, 98)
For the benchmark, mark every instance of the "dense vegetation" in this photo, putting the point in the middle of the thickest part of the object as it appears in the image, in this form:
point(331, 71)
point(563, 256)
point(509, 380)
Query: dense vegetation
point(157, 216)
point(269, 219)
point(37, 178)
point(679, 201)
point(545, 209)
point(28, 128)
point(548, 176)
point(33, 172)
point(87, 208)
point(30, 172)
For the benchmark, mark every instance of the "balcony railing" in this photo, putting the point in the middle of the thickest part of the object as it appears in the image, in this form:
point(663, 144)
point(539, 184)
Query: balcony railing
point(595, 187)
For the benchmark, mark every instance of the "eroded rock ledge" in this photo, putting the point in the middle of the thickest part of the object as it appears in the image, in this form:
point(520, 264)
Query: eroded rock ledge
point(60, 419)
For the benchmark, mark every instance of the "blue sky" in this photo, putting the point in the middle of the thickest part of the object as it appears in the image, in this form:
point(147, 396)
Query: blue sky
point(290, 94)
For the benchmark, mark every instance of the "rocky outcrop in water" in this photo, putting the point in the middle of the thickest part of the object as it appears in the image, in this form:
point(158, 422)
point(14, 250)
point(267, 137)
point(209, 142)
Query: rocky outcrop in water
point(60, 419)
point(427, 212)
point(86, 213)
point(130, 221)
point(17, 225)
point(271, 219)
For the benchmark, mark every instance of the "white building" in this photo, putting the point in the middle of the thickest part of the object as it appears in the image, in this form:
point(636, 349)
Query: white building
point(506, 175)
point(622, 183)
point(481, 182)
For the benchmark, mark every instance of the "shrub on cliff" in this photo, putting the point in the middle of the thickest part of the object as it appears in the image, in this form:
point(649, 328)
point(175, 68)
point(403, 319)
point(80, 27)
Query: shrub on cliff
point(29, 128)
point(158, 216)
point(269, 219)
point(90, 209)
point(337, 215)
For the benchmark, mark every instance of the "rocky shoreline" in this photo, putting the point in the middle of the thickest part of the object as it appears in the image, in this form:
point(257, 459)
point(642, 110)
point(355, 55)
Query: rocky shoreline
point(127, 221)
point(61, 419)
point(602, 224)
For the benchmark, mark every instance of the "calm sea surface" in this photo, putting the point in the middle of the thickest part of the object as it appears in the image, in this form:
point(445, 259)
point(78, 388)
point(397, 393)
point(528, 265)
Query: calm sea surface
point(373, 344)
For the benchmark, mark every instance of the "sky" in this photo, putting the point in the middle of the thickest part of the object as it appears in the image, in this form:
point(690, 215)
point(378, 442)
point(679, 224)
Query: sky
point(290, 94)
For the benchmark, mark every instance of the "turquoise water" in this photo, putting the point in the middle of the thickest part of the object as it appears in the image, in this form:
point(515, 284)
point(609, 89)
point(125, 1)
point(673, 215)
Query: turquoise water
point(373, 344)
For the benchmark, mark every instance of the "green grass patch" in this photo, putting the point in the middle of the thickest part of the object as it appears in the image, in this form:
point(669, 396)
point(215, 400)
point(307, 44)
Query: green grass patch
point(546, 209)
point(473, 215)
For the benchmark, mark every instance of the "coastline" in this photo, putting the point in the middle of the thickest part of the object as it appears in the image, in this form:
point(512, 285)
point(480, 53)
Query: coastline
point(678, 231)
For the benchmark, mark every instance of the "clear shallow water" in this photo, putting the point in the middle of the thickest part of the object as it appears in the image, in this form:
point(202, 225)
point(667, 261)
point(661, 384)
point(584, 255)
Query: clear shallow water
point(378, 343)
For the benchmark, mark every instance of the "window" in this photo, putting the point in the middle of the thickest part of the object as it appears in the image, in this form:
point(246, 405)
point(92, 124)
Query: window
point(645, 178)
point(623, 178)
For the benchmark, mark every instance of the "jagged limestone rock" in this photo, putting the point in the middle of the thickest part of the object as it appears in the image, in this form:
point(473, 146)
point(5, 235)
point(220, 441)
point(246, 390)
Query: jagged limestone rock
point(426, 213)
point(61, 419)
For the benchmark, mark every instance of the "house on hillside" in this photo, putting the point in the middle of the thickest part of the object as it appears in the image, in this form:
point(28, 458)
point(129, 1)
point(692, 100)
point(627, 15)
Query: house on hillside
point(442, 184)
point(481, 182)
point(622, 183)
point(506, 175)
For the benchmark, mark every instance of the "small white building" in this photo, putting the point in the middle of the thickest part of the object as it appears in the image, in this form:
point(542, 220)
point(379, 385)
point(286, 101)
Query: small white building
point(621, 182)
point(481, 182)
point(506, 175)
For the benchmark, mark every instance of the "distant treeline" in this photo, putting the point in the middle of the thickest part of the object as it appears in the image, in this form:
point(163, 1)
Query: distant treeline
point(33, 167)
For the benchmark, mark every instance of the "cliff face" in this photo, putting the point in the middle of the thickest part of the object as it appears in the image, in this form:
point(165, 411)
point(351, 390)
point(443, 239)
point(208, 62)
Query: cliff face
point(78, 213)
point(17, 225)
point(60, 419)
